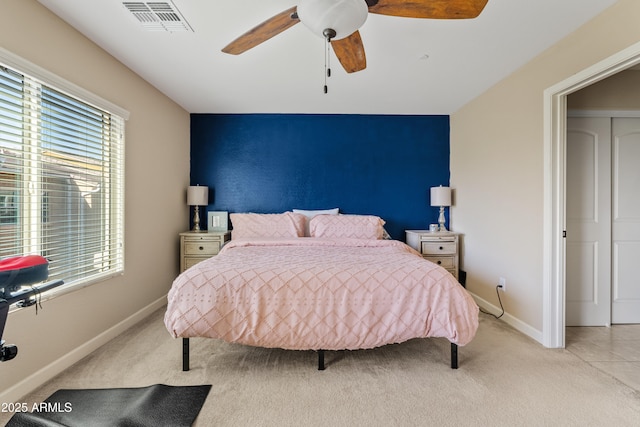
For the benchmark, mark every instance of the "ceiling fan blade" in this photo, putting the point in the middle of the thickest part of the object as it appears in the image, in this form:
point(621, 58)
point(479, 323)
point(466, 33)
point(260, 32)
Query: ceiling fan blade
point(350, 52)
point(434, 9)
point(263, 32)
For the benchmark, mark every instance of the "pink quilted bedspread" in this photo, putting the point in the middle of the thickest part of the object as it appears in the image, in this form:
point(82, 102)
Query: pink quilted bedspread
point(312, 293)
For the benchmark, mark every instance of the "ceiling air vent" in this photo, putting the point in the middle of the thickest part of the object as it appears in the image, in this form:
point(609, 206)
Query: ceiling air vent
point(158, 16)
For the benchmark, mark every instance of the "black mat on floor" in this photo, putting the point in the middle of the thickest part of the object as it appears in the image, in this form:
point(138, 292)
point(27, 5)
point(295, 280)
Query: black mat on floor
point(153, 406)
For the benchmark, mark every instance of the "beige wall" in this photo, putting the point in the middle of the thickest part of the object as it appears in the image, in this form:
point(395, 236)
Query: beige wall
point(619, 92)
point(497, 166)
point(157, 173)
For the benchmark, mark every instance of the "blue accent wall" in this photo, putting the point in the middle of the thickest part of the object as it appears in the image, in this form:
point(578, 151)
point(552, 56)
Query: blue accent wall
point(363, 164)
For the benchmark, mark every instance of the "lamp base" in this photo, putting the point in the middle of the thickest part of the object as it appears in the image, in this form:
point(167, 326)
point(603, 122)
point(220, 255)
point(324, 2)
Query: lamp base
point(196, 220)
point(441, 220)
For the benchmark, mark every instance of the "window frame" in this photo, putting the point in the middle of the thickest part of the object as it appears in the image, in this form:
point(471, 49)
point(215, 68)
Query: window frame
point(33, 71)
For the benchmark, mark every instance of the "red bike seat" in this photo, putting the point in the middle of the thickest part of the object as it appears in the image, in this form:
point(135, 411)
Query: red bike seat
point(23, 270)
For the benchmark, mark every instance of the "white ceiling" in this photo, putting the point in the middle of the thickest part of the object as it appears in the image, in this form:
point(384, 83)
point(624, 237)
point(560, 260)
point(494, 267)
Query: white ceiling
point(414, 66)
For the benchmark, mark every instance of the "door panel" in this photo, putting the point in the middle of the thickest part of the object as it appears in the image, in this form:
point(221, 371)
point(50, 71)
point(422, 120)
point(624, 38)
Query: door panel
point(581, 255)
point(588, 207)
point(626, 220)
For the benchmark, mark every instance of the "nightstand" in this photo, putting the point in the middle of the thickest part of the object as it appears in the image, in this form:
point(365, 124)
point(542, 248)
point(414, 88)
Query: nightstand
point(438, 247)
point(196, 247)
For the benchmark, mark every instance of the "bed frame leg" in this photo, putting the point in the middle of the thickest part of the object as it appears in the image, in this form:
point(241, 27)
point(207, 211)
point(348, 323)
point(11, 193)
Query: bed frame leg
point(454, 356)
point(185, 354)
point(320, 360)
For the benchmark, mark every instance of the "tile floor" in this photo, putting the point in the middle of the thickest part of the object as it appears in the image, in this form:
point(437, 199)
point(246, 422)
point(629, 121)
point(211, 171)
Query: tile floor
point(614, 350)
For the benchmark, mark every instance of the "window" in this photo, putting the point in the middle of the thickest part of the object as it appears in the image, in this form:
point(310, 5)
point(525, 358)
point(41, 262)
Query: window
point(61, 180)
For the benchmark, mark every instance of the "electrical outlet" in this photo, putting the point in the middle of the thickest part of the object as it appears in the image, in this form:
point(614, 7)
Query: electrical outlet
point(502, 284)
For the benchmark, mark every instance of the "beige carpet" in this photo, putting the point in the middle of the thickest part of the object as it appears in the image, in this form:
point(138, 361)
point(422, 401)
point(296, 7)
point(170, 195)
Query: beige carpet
point(505, 379)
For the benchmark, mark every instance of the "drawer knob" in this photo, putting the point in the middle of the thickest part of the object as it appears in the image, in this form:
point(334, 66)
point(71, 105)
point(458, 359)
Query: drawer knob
point(201, 248)
point(439, 262)
point(441, 248)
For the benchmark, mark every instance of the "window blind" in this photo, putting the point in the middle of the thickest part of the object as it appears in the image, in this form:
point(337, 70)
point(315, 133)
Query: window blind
point(61, 180)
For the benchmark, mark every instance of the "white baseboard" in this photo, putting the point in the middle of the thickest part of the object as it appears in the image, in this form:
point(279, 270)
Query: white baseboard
point(516, 323)
point(35, 380)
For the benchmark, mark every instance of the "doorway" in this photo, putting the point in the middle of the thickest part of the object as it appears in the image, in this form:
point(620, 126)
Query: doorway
point(554, 215)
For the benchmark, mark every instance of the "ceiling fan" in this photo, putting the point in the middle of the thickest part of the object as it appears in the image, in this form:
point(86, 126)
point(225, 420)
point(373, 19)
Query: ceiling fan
point(338, 21)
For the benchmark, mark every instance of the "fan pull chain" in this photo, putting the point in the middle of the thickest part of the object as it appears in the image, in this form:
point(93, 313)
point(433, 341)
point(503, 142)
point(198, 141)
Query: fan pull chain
point(327, 63)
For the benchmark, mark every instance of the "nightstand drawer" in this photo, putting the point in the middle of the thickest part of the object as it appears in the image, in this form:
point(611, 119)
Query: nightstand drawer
point(446, 262)
point(439, 248)
point(190, 262)
point(201, 247)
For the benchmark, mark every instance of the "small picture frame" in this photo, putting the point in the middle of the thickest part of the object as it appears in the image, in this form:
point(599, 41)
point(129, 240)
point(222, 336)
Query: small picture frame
point(218, 221)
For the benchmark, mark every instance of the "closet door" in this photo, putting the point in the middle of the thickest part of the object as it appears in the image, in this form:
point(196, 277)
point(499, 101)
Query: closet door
point(626, 220)
point(588, 212)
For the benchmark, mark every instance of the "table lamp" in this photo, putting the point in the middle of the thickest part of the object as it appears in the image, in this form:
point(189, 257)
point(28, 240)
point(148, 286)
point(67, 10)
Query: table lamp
point(441, 196)
point(197, 196)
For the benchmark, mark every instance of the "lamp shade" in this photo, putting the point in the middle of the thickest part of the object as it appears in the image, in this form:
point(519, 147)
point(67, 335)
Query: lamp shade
point(197, 195)
point(342, 16)
point(441, 196)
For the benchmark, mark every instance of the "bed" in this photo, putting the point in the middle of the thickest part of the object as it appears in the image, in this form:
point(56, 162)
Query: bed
point(332, 282)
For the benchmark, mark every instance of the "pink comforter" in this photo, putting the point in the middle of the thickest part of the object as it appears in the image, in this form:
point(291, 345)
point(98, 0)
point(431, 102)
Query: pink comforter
point(311, 294)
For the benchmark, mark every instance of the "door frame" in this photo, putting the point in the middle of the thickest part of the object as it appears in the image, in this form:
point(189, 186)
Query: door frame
point(554, 207)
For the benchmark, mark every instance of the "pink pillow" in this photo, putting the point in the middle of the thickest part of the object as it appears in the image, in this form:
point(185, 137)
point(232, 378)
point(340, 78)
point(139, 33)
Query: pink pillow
point(352, 226)
point(250, 225)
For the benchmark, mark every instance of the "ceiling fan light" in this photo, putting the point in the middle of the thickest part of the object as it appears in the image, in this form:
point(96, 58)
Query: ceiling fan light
point(343, 16)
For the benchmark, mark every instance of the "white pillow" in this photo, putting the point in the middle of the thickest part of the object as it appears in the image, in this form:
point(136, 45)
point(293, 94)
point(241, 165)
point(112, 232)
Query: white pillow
point(311, 214)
